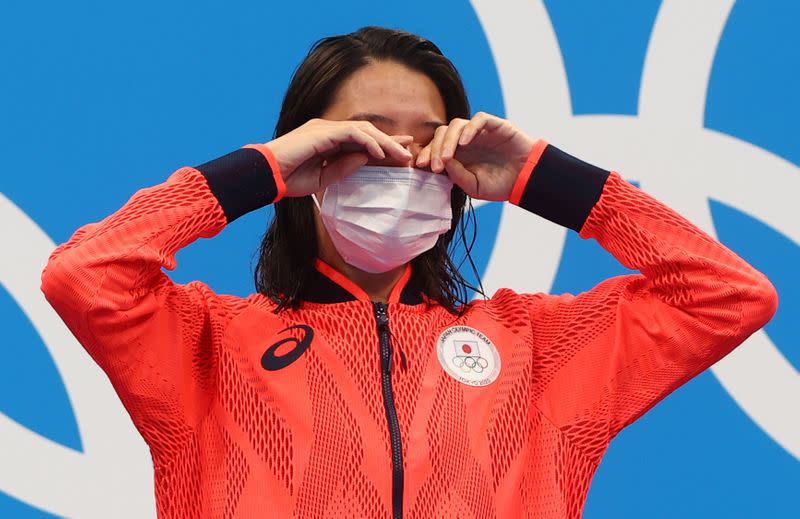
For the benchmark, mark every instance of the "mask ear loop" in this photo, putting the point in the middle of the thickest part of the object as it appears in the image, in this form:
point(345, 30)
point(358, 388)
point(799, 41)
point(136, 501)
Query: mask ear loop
point(316, 202)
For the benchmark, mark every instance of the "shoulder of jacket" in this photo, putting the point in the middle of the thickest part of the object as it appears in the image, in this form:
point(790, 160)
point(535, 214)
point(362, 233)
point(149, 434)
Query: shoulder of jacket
point(504, 295)
point(225, 307)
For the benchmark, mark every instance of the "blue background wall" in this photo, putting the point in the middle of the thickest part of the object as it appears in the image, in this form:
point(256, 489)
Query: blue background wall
point(100, 99)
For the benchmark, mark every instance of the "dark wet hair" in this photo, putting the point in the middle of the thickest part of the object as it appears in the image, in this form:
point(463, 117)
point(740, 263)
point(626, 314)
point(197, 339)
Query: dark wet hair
point(289, 247)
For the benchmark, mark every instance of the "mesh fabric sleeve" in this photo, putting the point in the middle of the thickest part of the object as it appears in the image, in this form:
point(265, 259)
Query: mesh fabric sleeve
point(616, 350)
point(151, 336)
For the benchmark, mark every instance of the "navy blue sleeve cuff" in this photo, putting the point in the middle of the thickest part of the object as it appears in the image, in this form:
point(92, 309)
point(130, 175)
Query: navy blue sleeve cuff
point(242, 181)
point(562, 188)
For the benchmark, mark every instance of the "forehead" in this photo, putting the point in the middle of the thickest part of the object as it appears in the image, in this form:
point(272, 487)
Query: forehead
point(391, 90)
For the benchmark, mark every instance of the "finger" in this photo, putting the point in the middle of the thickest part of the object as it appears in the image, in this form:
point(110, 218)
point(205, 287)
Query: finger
point(389, 145)
point(437, 166)
point(340, 167)
point(462, 177)
point(451, 138)
point(424, 157)
point(403, 140)
point(407, 142)
point(351, 146)
point(479, 121)
point(363, 138)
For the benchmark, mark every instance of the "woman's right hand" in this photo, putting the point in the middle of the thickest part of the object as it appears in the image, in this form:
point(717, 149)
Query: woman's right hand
point(320, 152)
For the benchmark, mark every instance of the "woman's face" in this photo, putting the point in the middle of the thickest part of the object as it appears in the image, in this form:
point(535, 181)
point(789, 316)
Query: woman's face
point(396, 99)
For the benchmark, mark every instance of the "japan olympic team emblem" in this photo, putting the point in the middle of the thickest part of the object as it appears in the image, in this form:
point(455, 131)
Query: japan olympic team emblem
point(468, 356)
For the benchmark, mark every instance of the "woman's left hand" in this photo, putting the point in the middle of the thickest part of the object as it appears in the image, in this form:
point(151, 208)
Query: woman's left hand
point(483, 155)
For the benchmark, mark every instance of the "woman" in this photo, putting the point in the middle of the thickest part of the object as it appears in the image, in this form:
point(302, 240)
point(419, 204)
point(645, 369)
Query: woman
point(358, 381)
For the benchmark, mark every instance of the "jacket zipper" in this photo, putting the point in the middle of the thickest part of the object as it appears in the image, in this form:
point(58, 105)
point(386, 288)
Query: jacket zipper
point(382, 318)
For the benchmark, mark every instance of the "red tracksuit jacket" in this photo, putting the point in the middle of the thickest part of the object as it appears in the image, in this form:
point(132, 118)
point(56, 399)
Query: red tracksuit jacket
point(349, 408)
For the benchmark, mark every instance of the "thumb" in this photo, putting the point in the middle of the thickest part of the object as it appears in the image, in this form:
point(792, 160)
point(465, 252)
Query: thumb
point(343, 165)
point(462, 177)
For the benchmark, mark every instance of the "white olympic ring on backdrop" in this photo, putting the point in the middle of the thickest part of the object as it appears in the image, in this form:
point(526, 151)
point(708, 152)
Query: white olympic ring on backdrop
point(677, 160)
point(113, 477)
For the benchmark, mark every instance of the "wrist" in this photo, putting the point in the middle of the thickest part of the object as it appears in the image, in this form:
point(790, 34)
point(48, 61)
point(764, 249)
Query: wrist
point(244, 180)
point(557, 186)
point(277, 170)
point(525, 172)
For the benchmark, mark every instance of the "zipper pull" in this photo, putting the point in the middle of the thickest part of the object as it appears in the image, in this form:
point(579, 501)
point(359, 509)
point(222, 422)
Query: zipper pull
point(381, 316)
point(382, 319)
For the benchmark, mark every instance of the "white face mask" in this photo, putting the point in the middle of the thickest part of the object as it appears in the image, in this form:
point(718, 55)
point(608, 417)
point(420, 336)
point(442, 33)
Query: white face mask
point(381, 217)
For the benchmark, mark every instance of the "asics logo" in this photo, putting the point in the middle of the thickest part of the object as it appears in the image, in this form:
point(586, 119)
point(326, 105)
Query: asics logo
point(271, 361)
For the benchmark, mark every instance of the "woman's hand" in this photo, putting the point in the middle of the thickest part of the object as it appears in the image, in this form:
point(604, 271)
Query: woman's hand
point(320, 152)
point(483, 155)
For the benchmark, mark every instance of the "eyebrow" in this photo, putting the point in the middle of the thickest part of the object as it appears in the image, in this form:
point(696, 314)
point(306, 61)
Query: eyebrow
point(378, 118)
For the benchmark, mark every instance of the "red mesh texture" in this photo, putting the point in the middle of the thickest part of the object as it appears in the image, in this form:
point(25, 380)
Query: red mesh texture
point(606, 356)
point(230, 439)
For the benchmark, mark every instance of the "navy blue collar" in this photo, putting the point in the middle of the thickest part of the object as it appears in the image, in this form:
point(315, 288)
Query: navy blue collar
point(328, 285)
